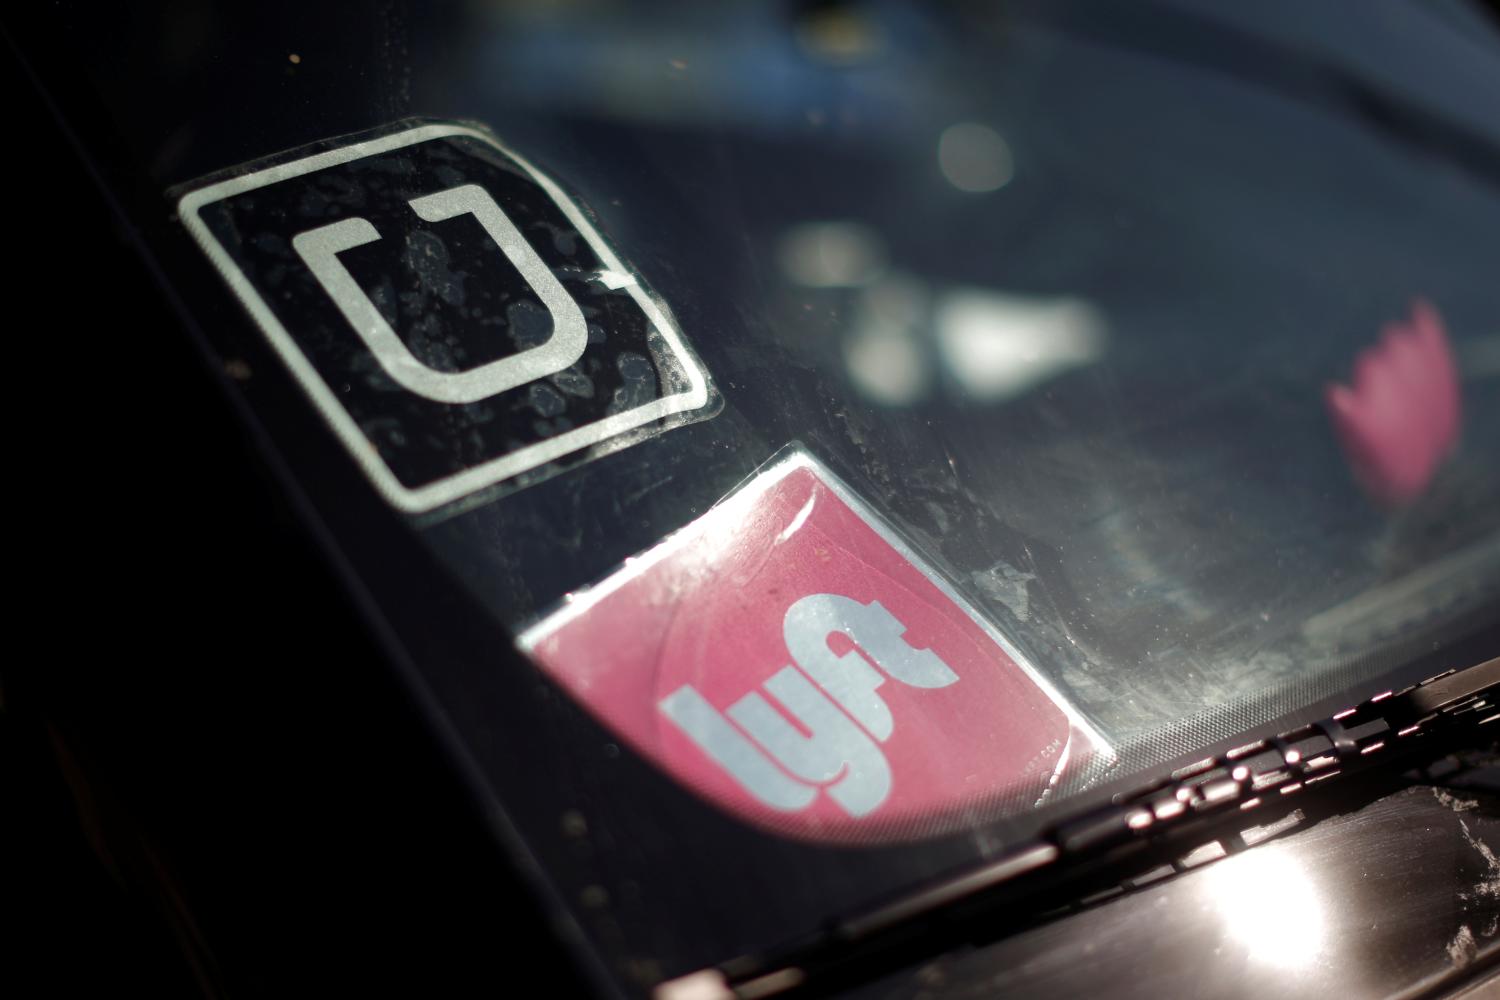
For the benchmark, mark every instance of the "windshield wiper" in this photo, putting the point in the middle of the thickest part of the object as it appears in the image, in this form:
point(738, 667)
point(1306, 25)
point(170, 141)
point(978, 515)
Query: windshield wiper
point(1201, 812)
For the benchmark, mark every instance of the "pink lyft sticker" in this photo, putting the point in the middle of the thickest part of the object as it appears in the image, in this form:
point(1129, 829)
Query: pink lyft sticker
point(788, 657)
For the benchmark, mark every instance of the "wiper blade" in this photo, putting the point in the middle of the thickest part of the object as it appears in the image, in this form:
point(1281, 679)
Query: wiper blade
point(1453, 692)
point(1200, 812)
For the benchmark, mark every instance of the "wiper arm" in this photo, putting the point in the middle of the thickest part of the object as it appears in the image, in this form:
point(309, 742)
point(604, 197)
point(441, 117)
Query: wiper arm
point(1206, 810)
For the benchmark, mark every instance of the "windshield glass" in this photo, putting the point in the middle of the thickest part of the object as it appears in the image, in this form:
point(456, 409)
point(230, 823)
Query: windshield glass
point(1146, 359)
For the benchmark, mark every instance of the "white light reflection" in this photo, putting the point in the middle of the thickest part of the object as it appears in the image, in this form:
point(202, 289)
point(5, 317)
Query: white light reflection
point(885, 358)
point(998, 347)
point(831, 254)
point(1270, 905)
point(887, 366)
point(975, 158)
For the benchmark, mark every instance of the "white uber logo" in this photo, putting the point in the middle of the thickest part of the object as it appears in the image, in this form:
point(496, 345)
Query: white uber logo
point(319, 249)
point(454, 316)
point(832, 720)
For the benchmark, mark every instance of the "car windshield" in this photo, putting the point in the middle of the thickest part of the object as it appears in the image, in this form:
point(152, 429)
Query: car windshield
point(1158, 344)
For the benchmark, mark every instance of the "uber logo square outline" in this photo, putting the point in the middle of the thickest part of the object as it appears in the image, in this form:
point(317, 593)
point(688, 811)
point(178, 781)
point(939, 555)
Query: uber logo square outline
point(318, 247)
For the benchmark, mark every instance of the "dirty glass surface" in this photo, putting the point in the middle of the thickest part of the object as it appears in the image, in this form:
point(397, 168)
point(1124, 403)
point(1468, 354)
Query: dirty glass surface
point(1067, 290)
point(1168, 337)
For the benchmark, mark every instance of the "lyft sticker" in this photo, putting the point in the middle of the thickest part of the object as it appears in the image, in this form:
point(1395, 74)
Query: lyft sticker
point(453, 315)
point(788, 657)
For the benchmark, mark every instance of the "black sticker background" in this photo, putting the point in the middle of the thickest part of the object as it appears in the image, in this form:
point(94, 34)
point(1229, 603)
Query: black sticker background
point(452, 297)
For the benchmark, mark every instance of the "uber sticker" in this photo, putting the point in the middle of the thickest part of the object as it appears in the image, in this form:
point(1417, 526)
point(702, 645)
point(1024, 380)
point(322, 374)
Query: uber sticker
point(788, 657)
point(454, 316)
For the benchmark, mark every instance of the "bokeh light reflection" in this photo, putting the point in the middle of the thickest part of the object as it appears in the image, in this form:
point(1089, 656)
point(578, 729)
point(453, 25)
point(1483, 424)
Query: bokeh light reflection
point(1270, 904)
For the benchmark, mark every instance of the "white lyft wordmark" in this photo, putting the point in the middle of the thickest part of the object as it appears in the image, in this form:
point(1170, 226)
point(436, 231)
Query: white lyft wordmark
point(843, 714)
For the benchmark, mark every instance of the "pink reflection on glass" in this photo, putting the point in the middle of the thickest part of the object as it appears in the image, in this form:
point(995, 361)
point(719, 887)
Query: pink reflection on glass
point(1400, 418)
